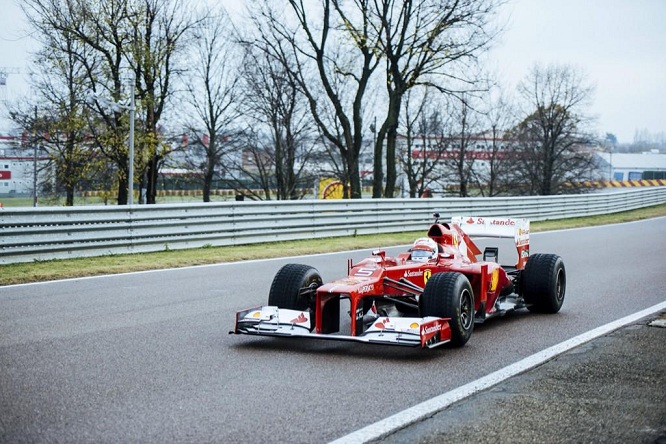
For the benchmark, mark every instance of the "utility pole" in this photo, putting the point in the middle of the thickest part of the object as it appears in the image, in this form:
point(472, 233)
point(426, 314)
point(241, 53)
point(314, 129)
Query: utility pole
point(132, 109)
point(34, 163)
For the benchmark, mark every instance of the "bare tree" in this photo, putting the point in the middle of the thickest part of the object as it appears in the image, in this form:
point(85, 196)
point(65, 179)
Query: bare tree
point(158, 28)
point(65, 139)
point(58, 115)
point(425, 146)
point(461, 160)
point(112, 39)
point(552, 138)
point(99, 28)
point(211, 86)
point(426, 42)
point(250, 165)
point(334, 57)
point(496, 177)
point(280, 125)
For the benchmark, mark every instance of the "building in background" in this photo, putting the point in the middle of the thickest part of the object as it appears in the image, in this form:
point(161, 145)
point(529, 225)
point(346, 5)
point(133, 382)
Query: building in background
point(20, 168)
point(623, 166)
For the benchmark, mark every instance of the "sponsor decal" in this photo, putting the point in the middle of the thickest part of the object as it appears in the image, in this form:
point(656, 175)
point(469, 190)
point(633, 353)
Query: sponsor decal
point(525, 253)
point(366, 288)
point(426, 275)
point(432, 329)
point(301, 318)
point(503, 222)
point(256, 314)
point(496, 222)
point(413, 273)
point(494, 279)
point(431, 333)
point(5, 175)
point(382, 324)
point(414, 325)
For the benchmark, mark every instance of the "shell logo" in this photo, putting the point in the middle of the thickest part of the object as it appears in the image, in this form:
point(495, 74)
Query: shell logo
point(494, 280)
point(331, 189)
point(413, 325)
point(256, 314)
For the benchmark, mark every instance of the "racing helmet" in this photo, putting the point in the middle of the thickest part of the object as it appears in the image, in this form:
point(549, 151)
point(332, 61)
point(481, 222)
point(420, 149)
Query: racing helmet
point(423, 250)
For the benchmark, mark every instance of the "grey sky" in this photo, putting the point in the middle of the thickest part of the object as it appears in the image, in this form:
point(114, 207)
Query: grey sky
point(619, 44)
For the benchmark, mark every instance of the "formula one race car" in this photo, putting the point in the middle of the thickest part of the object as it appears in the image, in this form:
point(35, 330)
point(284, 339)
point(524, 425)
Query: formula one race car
point(430, 295)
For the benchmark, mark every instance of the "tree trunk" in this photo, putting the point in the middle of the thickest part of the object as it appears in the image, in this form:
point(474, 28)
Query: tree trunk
point(378, 169)
point(207, 185)
point(395, 101)
point(354, 177)
point(151, 178)
point(122, 188)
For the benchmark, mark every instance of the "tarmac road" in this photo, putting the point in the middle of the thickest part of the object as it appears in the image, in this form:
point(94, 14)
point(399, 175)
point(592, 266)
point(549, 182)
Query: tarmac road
point(612, 389)
point(146, 357)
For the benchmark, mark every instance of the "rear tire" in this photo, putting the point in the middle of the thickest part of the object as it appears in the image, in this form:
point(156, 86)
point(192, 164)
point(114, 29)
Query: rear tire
point(449, 295)
point(294, 287)
point(544, 282)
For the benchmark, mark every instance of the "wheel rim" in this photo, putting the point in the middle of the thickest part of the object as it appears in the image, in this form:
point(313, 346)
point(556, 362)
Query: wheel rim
point(466, 310)
point(560, 286)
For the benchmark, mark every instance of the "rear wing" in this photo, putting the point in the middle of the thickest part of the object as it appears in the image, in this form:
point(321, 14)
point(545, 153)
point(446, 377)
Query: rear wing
point(518, 229)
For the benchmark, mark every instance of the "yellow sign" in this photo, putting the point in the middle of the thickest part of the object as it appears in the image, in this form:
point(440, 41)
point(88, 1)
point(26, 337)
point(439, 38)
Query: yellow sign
point(331, 189)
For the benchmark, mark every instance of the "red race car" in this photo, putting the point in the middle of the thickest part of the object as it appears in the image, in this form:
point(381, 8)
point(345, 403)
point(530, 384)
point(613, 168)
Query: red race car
point(430, 295)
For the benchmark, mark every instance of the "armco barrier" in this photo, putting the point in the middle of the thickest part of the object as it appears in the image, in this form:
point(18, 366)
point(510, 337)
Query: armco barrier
point(28, 234)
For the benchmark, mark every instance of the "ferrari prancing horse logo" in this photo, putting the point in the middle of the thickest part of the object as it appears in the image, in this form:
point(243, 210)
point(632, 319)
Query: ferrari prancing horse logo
point(426, 275)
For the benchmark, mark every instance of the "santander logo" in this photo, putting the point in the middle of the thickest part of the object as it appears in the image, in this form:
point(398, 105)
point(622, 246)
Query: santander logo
point(432, 329)
point(482, 221)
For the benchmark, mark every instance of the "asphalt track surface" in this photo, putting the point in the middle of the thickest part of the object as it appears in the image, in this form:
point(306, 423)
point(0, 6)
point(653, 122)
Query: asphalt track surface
point(608, 390)
point(147, 357)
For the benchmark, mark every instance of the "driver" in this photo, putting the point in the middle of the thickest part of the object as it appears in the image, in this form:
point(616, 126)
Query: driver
point(423, 250)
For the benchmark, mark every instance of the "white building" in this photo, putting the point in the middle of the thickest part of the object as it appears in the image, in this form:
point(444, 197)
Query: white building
point(623, 166)
point(17, 168)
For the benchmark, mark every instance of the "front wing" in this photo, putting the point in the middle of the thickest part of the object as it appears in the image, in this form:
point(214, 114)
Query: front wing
point(273, 321)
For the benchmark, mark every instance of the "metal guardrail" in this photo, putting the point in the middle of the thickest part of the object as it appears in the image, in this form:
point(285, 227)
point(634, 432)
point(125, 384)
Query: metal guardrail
point(32, 234)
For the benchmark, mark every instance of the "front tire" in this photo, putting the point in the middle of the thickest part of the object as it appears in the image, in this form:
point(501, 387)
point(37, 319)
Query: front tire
point(449, 295)
point(294, 287)
point(544, 282)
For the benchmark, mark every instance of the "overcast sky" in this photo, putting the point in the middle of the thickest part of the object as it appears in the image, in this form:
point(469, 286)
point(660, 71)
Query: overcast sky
point(619, 44)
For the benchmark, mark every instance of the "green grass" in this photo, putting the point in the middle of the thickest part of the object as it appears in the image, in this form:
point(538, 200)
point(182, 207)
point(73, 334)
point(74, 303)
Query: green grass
point(69, 268)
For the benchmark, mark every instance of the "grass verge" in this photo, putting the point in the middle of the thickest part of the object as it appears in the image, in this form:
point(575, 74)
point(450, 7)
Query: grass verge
point(70, 268)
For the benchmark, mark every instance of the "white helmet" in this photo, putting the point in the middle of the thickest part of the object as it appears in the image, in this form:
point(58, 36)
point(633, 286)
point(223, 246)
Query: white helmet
point(423, 250)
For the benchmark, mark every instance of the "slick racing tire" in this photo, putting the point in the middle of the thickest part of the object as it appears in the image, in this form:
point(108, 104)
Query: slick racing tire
point(449, 295)
point(294, 287)
point(544, 282)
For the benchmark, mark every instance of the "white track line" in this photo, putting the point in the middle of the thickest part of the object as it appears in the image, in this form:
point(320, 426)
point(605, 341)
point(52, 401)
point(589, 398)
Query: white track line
point(428, 408)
